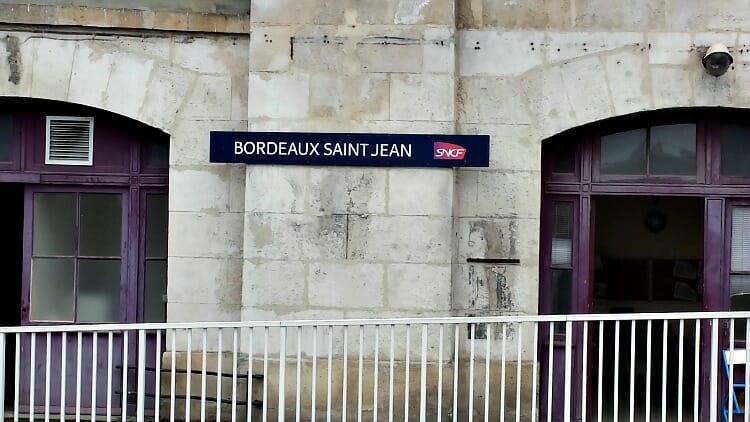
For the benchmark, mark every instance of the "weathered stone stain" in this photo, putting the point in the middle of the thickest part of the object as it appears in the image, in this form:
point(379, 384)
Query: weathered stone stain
point(12, 46)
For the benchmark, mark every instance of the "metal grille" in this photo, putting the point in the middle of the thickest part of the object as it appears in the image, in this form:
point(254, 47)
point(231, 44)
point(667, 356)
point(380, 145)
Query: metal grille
point(69, 140)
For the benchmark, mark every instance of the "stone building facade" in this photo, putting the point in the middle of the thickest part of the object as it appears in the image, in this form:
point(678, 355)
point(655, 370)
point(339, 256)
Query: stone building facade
point(292, 242)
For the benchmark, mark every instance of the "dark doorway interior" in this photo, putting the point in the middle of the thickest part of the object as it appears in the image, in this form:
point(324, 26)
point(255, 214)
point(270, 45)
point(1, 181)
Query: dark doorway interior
point(11, 259)
point(648, 258)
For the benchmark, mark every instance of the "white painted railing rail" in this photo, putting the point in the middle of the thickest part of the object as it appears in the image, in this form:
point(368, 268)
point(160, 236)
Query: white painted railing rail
point(603, 367)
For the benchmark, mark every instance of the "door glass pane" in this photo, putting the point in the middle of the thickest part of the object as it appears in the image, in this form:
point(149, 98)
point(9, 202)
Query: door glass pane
point(156, 289)
point(562, 152)
point(624, 153)
point(52, 289)
point(54, 224)
point(98, 290)
point(740, 260)
point(735, 150)
point(562, 239)
point(156, 226)
point(6, 138)
point(101, 225)
point(561, 291)
point(672, 150)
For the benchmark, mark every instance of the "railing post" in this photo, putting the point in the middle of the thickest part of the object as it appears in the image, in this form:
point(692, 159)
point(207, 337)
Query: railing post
point(141, 394)
point(2, 370)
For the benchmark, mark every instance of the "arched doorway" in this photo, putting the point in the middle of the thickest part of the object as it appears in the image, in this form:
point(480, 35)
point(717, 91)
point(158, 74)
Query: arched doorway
point(648, 213)
point(85, 238)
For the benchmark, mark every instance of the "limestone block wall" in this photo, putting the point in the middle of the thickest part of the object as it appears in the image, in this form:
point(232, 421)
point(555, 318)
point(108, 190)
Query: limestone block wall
point(349, 242)
point(529, 70)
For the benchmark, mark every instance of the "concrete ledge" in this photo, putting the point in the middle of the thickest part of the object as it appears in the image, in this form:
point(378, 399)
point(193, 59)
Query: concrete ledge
point(27, 14)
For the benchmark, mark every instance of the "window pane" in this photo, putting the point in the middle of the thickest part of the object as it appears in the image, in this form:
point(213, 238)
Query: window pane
point(739, 288)
point(672, 150)
point(98, 290)
point(624, 153)
point(156, 226)
point(156, 290)
point(52, 289)
point(101, 225)
point(157, 155)
point(562, 239)
point(562, 152)
point(740, 260)
point(561, 291)
point(735, 150)
point(6, 139)
point(54, 224)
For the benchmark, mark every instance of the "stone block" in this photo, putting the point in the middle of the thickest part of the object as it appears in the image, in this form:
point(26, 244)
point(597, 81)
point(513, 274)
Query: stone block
point(438, 54)
point(153, 47)
point(468, 98)
point(364, 126)
point(627, 15)
point(627, 76)
point(270, 49)
point(199, 190)
point(501, 101)
point(363, 97)
point(495, 288)
point(712, 91)
point(324, 49)
point(422, 97)
point(281, 11)
point(350, 285)
point(276, 189)
point(419, 286)
point(586, 83)
point(202, 312)
point(508, 194)
point(498, 238)
point(92, 66)
point(512, 147)
point(237, 175)
point(671, 87)
point(53, 61)
point(400, 239)
point(125, 90)
point(703, 40)
point(412, 12)
point(206, 55)
point(420, 192)
point(295, 237)
point(209, 98)
point(499, 53)
point(167, 90)
point(347, 191)
point(274, 284)
point(196, 234)
point(279, 95)
point(189, 142)
point(742, 78)
point(210, 280)
point(239, 97)
point(570, 45)
point(671, 48)
point(524, 15)
point(391, 52)
point(549, 102)
point(466, 188)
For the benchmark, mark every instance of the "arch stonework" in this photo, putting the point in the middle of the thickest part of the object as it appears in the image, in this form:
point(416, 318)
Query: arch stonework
point(186, 87)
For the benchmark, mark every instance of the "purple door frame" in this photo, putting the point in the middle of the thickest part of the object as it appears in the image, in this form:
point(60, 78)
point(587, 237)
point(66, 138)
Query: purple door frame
point(122, 165)
point(586, 182)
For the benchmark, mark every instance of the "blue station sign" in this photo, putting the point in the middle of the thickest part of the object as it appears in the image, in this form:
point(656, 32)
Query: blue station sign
point(350, 149)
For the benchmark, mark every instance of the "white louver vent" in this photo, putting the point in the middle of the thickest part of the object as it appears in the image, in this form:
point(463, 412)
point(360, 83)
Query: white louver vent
point(70, 141)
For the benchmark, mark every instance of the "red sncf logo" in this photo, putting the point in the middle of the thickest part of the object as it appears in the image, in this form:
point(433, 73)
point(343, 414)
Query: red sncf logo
point(448, 151)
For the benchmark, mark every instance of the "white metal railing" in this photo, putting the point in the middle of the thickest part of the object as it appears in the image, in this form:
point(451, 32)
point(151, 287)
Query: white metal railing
point(656, 366)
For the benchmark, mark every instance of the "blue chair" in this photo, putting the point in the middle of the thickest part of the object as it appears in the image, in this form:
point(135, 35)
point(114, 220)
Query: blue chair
point(737, 357)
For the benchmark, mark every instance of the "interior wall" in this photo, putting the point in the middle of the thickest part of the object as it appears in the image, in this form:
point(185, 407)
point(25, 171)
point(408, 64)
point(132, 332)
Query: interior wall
point(621, 233)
